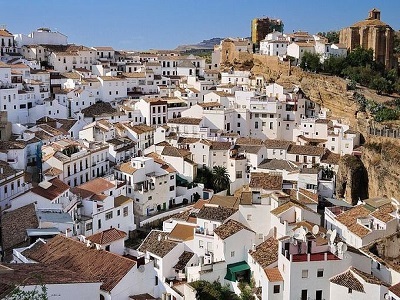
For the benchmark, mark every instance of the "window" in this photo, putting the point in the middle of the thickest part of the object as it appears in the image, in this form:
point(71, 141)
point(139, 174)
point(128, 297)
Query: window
point(350, 291)
point(99, 224)
point(304, 274)
point(156, 280)
point(172, 177)
point(125, 211)
point(89, 226)
point(256, 125)
point(320, 273)
point(248, 217)
point(333, 139)
point(232, 253)
point(171, 188)
point(277, 289)
point(118, 212)
point(238, 174)
point(109, 215)
point(201, 244)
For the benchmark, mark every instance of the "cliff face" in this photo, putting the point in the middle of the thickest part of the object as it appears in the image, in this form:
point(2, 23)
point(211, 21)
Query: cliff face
point(382, 161)
point(378, 172)
point(352, 179)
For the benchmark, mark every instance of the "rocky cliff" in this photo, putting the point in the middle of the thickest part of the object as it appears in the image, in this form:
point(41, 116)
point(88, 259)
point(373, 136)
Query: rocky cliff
point(377, 173)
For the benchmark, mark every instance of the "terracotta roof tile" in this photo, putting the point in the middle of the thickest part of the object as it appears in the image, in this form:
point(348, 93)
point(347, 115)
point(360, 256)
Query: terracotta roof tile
point(348, 280)
point(273, 275)
point(330, 158)
point(73, 255)
point(229, 228)
point(157, 243)
point(126, 168)
point(14, 224)
point(383, 213)
point(277, 144)
point(306, 150)
point(266, 253)
point(107, 236)
point(225, 201)
point(349, 219)
point(182, 233)
point(56, 189)
point(215, 213)
point(266, 181)
point(183, 260)
point(249, 141)
point(189, 121)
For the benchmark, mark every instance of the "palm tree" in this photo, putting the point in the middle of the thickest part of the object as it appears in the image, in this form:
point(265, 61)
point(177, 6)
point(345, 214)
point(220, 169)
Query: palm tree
point(221, 179)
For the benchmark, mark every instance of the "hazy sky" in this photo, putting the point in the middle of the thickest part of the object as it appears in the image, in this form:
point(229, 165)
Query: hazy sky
point(165, 24)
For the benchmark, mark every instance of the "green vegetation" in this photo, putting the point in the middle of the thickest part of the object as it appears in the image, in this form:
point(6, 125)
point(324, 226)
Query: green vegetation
point(212, 291)
point(217, 179)
point(310, 62)
point(332, 36)
point(377, 110)
point(38, 293)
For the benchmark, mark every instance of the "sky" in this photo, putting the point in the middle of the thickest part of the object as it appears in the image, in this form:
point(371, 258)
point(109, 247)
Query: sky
point(165, 24)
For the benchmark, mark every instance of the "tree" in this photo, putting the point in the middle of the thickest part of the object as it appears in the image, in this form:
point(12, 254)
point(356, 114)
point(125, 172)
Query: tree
point(38, 293)
point(334, 65)
point(204, 175)
point(220, 179)
point(212, 291)
point(332, 36)
point(360, 57)
point(310, 62)
point(379, 84)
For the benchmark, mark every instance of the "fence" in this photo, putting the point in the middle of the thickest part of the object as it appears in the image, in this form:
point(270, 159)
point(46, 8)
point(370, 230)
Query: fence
point(385, 132)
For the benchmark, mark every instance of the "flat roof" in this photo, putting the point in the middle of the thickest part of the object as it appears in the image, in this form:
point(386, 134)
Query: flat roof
point(53, 216)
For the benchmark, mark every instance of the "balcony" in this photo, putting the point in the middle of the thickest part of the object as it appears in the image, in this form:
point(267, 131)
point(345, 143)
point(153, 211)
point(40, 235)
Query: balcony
point(4, 86)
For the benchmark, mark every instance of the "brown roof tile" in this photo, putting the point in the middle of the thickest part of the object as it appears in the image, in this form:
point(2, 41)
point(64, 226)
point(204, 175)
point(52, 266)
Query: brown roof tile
point(266, 253)
point(229, 228)
point(249, 141)
point(306, 150)
point(225, 201)
point(266, 181)
point(330, 158)
point(56, 189)
point(216, 213)
point(182, 233)
point(183, 260)
point(277, 144)
point(14, 224)
point(273, 275)
point(157, 243)
point(347, 279)
point(126, 168)
point(383, 213)
point(349, 219)
point(73, 255)
point(107, 236)
point(189, 121)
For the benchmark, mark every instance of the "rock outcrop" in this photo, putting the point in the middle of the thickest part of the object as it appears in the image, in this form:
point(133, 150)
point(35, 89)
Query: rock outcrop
point(352, 179)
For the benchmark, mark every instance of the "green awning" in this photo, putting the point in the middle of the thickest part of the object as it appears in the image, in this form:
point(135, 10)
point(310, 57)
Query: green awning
point(233, 269)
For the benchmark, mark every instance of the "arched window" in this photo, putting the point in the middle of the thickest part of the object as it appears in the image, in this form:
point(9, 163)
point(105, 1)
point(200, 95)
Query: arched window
point(102, 297)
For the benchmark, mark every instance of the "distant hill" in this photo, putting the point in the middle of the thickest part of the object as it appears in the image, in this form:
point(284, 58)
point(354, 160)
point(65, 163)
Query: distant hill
point(205, 44)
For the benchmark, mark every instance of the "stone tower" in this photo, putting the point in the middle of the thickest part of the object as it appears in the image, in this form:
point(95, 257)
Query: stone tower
point(371, 33)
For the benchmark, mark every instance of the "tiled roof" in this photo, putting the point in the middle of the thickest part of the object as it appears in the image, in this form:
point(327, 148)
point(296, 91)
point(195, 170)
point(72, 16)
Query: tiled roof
point(36, 274)
point(56, 189)
point(209, 104)
point(249, 141)
point(330, 158)
point(277, 144)
point(348, 280)
point(5, 33)
point(107, 236)
point(52, 172)
point(282, 208)
point(14, 224)
point(303, 196)
point(254, 149)
point(182, 233)
point(189, 121)
point(126, 168)
point(215, 213)
point(157, 243)
point(368, 277)
point(266, 253)
point(73, 255)
point(220, 145)
point(266, 181)
point(121, 200)
point(187, 140)
point(383, 213)
point(225, 201)
point(273, 274)
point(93, 187)
point(278, 164)
point(7, 171)
point(306, 150)
point(229, 228)
point(395, 289)
point(183, 260)
point(175, 152)
point(99, 109)
point(140, 128)
point(349, 219)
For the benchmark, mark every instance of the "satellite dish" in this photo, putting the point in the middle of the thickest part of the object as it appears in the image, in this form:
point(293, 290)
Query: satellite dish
point(344, 248)
point(315, 229)
point(329, 232)
point(332, 237)
point(141, 268)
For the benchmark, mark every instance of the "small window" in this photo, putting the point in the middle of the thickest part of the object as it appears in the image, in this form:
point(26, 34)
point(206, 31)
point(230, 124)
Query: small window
point(248, 217)
point(304, 274)
point(232, 253)
point(277, 289)
point(320, 273)
point(109, 215)
point(125, 211)
point(350, 291)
